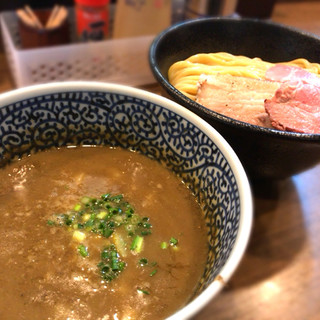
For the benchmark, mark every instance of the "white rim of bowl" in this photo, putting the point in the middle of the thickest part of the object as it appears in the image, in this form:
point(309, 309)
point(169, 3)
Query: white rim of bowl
point(246, 212)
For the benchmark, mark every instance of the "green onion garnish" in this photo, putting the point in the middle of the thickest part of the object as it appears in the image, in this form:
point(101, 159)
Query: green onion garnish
point(83, 250)
point(77, 207)
point(110, 265)
point(136, 244)
point(143, 291)
point(50, 223)
point(153, 272)
point(164, 245)
point(173, 241)
point(143, 261)
point(103, 216)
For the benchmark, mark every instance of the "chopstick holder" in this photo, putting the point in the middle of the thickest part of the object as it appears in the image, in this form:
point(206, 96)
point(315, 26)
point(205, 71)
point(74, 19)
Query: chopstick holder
point(56, 17)
point(44, 27)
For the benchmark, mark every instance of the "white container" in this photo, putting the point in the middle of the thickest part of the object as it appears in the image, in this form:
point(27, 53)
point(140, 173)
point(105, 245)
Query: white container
point(123, 61)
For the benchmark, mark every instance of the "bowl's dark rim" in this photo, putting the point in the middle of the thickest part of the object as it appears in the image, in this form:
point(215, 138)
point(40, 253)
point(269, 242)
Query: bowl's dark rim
point(196, 107)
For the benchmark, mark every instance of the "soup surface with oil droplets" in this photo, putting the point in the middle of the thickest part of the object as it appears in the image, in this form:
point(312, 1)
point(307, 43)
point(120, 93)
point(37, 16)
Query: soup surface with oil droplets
point(96, 233)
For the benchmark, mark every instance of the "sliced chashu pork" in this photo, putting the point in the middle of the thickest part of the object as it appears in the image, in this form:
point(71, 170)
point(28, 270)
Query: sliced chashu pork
point(295, 108)
point(291, 74)
point(296, 104)
point(239, 98)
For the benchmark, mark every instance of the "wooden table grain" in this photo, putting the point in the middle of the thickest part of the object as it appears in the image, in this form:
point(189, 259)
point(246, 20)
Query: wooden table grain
point(279, 276)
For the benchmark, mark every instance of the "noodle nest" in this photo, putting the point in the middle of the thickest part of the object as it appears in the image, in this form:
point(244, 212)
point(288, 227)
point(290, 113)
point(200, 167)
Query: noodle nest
point(184, 75)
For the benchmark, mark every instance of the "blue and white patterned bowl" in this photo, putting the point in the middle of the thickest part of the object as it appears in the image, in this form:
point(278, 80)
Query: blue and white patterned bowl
point(71, 113)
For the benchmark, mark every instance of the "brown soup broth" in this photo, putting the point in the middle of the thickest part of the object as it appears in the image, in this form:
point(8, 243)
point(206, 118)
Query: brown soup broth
point(42, 274)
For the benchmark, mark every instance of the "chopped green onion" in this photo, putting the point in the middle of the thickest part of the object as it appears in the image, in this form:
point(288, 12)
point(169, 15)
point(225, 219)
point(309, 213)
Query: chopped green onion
point(83, 250)
point(145, 232)
point(116, 198)
point(110, 265)
point(153, 272)
point(129, 212)
point(103, 216)
point(136, 244)
point(77, 207)
point(143, 291)
point(105, 196)
point(143, 261)
point(107, 232)
point(173, 241)
point(115, 261)
point(164, 245)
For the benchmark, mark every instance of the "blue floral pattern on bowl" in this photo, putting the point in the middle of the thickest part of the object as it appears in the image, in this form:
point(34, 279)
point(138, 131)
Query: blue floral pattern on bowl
point(107, 118)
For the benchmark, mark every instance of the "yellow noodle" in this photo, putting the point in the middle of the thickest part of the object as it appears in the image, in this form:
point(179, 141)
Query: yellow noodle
point(184, 75)
point(305, 64)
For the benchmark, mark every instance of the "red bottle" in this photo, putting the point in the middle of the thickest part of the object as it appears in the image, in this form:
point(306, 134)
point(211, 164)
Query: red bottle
point(92, 18)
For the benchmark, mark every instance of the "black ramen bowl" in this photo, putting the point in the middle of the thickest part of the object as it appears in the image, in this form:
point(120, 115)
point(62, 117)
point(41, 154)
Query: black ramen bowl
point(37, 118)
point(265, 153)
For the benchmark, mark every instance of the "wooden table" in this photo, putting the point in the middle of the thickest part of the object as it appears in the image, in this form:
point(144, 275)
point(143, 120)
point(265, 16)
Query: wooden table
point(279, 276)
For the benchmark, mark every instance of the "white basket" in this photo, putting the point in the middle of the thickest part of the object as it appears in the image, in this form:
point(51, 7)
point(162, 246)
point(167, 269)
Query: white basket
point(122, 61)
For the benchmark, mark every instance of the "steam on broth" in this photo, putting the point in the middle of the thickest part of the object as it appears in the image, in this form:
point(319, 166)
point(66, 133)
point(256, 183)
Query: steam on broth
point(64, 255)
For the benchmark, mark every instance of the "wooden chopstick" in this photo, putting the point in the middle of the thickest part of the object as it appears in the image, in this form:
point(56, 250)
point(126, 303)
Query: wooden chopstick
point(25, 18)
point(58, 15)
point(56, 18)
point(34, 18)
point(52, 16)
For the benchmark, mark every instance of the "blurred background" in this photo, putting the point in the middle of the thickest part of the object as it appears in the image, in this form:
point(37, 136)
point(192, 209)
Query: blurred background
point(96, 27)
